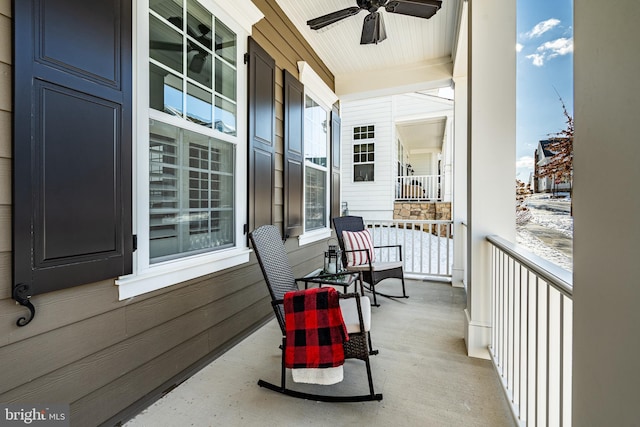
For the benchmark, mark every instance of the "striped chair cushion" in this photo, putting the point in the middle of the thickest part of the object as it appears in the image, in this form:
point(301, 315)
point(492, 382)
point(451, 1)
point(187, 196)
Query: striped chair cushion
point(354, 240)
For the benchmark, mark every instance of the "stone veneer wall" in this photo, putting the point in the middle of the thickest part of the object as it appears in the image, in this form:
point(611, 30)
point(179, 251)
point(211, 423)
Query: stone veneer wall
point(425, 211)
point(422, 210)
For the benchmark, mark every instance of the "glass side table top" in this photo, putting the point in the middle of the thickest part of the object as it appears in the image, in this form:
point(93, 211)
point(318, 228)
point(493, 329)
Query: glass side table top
point(320, 277)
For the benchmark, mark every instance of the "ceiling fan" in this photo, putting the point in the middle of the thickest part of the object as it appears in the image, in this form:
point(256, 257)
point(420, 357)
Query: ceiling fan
point(373, 30)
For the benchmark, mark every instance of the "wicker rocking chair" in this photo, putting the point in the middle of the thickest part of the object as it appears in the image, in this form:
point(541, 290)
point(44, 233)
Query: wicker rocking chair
point(278, 275)
point(372, 272)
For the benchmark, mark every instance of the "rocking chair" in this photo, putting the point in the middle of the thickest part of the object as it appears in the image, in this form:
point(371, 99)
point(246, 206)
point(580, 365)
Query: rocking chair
point(272, 257)
point(359, 257)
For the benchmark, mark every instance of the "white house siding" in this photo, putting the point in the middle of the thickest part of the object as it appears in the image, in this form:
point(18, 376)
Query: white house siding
point(374, 200)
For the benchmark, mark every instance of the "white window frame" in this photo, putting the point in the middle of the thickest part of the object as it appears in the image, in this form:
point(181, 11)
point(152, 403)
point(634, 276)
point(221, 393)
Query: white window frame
point(239, 16)
point(362, 141)
point(321, 93)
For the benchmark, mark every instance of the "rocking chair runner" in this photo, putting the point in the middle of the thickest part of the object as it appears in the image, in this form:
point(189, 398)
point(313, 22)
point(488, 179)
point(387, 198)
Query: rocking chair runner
point(372, 272)
point(274, 263)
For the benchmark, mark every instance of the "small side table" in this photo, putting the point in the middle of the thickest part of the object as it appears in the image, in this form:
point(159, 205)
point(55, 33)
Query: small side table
point(344, 279)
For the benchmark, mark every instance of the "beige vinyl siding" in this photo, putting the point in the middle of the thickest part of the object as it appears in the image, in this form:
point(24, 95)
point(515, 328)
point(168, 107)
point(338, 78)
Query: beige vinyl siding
point(110, 358)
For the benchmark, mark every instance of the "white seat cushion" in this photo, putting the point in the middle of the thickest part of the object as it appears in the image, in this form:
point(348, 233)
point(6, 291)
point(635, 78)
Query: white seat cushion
point(377, 266)
point(350, 314)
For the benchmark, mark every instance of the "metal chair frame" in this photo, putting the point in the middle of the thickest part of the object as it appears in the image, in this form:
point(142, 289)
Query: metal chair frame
point(370, 273)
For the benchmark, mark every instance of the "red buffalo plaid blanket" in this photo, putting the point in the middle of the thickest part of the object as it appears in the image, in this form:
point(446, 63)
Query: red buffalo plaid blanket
point(315, 330)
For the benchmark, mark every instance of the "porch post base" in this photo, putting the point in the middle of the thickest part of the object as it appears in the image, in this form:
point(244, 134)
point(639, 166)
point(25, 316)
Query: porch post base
point(477, 337)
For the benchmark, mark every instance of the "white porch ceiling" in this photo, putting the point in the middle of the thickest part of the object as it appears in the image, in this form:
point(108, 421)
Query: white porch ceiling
point(417, 54)
point(423, 135)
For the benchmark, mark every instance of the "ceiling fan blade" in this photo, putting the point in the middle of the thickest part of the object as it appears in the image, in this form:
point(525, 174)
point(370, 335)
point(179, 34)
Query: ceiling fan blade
point(418, 8)
point(155, 44)
point(373, 30)
point(328, 19)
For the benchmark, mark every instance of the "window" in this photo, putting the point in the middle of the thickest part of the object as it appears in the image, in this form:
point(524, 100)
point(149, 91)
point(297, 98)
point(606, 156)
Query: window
point(192, 75)
point(191, 191)
point(363, 153)
point(318, 101)
point(190, 138)
point(316, 143)
point(192, 70)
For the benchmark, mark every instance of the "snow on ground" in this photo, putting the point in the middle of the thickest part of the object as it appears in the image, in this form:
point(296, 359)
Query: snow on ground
point(416, 246)
point(549, 216)
point(553, 215)
point(538, 247)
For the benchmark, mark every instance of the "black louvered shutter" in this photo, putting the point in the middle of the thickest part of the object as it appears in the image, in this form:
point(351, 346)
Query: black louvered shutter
point(293, 155)
point(336, 129)
point(262, 68)
point(72, 143)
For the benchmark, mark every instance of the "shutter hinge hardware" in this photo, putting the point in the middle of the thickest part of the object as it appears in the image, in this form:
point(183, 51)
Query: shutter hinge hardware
point(135, 243)
point(21, 293)
point(246, 228)
point(246, 58)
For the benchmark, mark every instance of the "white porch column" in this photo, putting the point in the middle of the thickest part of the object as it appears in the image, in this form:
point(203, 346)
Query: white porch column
point(606, 271)
point(460, 107)
point(491, 154)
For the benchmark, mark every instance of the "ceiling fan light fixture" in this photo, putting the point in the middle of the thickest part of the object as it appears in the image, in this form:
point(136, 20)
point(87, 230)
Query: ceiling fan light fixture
point(197, 62)
point(373, 30)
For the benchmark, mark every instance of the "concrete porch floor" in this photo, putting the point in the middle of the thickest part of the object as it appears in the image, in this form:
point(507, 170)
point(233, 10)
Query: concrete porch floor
point(422, 370)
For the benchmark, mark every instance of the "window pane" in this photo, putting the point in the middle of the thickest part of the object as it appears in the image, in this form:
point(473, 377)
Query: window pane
point(170, 10)
point(199, 43)
point(224, 116)
point(200, 67)
point(225, 80)
point(315, 199)
point(165, 91)
point(199, 21)
point(165, 44)
point(199, 108)
point(315, 133)
point(363, 172)
point(225, 43)
point(191, 193)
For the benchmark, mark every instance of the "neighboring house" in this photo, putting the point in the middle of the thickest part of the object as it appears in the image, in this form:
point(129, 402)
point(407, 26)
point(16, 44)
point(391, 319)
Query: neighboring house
point(396, 148)
point(548, 184)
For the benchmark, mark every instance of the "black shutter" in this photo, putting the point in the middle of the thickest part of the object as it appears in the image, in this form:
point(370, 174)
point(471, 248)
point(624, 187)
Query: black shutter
point(336, 129)
point(72, 143)
point(293, 155)
point(262, 116)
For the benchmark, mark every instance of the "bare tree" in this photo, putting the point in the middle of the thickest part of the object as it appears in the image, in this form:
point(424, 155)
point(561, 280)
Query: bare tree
point(560, 166)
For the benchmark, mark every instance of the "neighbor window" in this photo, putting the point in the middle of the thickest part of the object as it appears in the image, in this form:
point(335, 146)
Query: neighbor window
point(316, 149)
point(363, 153)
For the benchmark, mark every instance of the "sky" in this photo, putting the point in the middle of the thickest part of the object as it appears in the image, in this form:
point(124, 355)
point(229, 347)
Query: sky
point(544, 75)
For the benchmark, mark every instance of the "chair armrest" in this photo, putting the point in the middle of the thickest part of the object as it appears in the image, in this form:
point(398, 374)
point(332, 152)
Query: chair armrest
point(399, 247)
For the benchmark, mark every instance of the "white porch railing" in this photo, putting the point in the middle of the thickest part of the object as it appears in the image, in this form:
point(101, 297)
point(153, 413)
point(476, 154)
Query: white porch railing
point(531, 339)
point(419, 187)
point(427, 246)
